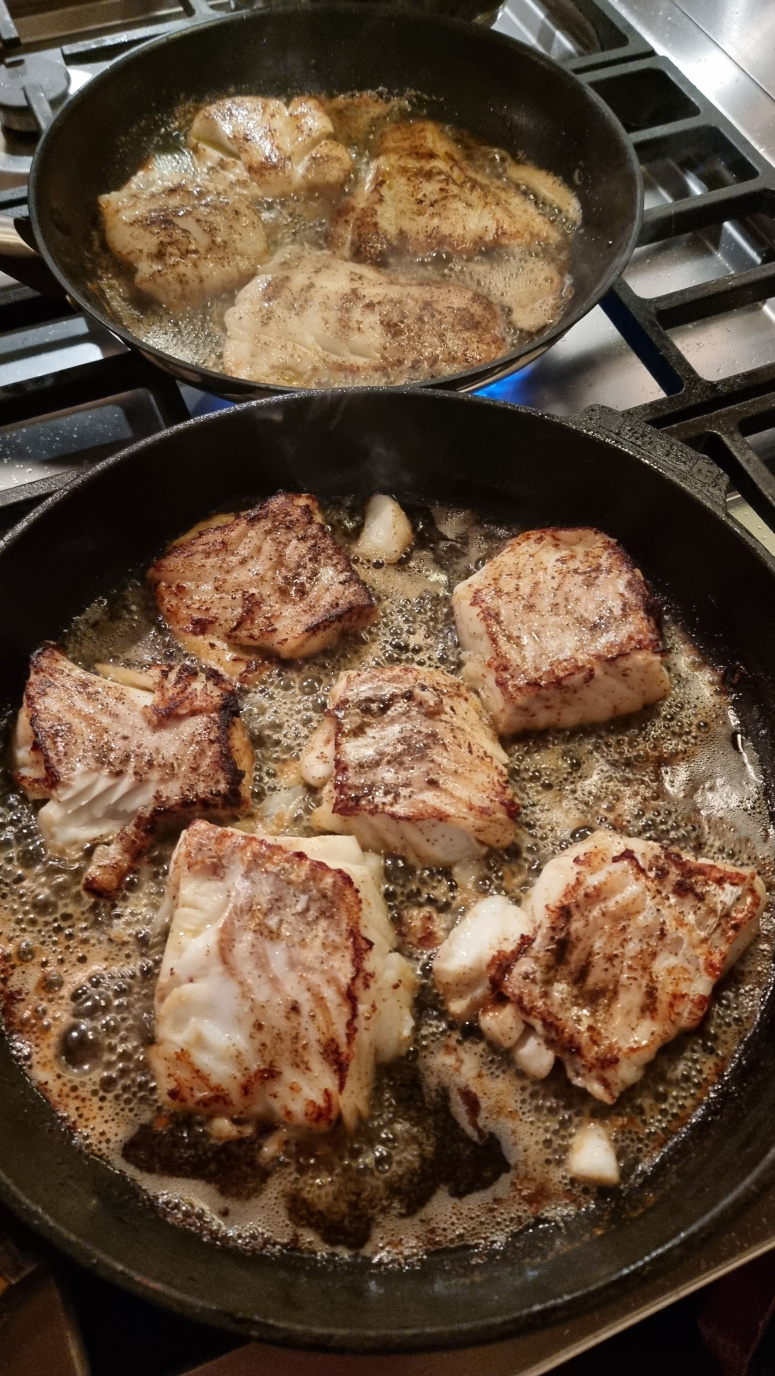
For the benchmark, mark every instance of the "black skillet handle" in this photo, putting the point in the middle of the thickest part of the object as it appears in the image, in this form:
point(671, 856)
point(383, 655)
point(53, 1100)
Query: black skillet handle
point(20, 259)
point(19, 255)
point(696, 472)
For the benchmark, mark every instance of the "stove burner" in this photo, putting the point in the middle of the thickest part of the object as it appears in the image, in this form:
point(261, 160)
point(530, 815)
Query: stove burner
point(29, 86)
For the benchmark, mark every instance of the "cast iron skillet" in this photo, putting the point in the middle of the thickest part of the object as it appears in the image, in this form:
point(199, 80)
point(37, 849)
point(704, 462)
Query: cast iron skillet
point(420, 446)
point(486, 83)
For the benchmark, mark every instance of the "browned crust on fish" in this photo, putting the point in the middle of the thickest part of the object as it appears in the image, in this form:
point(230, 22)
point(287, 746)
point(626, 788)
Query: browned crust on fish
point(576, 1024)
point(411, 158)
point(312, 318)
point(639, 629)
point(148, 228)
point(422, 757)
point(271, 579)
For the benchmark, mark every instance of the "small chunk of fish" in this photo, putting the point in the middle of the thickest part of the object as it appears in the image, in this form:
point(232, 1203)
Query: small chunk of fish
point(501, 1024)
point(410, 765)
point(592, 1156)
point(280, 988)
point(387, 532)
point(309, 319)
point(271, 581)
point(284, 149)
point(558, 631)
point(422, 195)
point(468, 971)
point(187, 237)
point(532, 1054)
point(480, 1089)
point(468, 965)
point(629, 939)
point(117, 761)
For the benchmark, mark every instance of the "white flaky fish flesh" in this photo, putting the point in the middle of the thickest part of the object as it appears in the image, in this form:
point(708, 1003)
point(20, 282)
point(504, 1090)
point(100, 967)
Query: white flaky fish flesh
point(280, 988)
point(117, 760)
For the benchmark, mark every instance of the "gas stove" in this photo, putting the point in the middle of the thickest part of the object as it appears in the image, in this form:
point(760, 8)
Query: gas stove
point(684, 344)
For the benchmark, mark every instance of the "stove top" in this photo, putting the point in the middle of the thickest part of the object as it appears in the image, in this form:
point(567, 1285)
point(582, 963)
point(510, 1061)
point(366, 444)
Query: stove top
point(685, 343)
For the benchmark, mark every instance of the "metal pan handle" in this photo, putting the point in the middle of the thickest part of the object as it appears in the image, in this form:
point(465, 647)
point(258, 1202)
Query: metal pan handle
point(20, 259)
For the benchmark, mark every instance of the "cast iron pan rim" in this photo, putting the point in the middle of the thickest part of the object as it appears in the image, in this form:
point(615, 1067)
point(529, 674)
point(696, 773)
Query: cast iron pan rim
point(450, 1337)
point(499, 367)
point(425, 1338)
point(334, 395)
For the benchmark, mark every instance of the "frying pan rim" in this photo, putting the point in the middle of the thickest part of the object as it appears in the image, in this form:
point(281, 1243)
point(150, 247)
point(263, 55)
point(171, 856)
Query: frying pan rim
point(298, 395)
point(425, 1338)
point(500, 367)
point(450, 1337)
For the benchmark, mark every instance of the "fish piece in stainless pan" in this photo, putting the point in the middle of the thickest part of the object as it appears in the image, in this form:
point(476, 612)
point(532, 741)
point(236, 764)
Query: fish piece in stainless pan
point(542, 149)
point(356, 256)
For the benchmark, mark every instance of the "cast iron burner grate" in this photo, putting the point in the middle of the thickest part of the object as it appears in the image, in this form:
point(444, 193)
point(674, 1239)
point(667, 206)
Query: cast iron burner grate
point(720, 180)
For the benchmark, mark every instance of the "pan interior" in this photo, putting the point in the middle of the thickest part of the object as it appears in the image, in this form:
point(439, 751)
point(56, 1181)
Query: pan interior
point(197, 334)
point(81, 977)
point(347, 445)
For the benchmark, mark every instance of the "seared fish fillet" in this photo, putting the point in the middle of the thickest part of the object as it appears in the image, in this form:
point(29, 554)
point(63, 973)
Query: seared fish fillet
point(188, 238)
point(422, 195)
point(410, 765)
point(615, 951)
point(280, 988)
point(358, 116)
point(312, 320)
point(527, 287)
point(284, 149)
point(557, 630)
point(271, 580)
point(116, 761)
point(630, 938)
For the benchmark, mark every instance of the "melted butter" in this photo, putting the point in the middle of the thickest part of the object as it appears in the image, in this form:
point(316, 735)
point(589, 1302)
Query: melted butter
point(81, 974)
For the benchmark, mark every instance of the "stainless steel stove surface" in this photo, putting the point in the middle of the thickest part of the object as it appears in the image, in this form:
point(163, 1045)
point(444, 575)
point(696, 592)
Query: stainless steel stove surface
point(684, 343)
